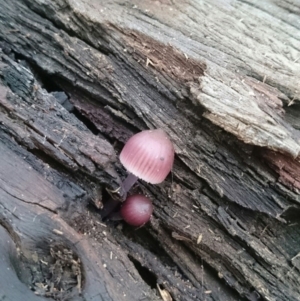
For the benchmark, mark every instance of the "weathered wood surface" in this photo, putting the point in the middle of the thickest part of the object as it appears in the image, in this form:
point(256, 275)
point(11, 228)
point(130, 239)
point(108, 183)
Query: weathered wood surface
point(221, 78)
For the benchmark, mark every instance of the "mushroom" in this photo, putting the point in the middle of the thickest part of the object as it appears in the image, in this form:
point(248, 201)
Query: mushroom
point(148, 155)
point(136, 210)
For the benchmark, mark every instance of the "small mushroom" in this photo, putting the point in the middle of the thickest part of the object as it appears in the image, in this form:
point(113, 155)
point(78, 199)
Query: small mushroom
point(136, 210)
point(148, 155)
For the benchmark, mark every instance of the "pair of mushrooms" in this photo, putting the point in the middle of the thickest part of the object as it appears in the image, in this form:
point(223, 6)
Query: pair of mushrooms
point(148, 155)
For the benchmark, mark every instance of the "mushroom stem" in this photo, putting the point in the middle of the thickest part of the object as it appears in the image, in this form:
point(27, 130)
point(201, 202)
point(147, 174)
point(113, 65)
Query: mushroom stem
point(129, 182)
point(112, 204)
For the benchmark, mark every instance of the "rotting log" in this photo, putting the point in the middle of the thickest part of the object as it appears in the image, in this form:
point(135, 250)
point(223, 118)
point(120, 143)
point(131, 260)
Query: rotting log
point(78, 78)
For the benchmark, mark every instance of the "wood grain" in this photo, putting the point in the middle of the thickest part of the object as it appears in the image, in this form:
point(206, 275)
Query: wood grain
point(220, 77)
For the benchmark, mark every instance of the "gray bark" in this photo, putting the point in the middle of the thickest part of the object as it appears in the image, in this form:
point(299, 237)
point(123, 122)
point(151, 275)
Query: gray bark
point(78, 78)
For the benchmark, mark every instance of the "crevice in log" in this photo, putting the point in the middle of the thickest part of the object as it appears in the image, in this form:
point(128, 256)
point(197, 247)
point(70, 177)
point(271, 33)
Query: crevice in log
point(46, 81)
point(292, 115)
point(40, 75)
point(145, 239)
point(149, 277)
point(291, 214)
point(113, 124)
point(86, 121)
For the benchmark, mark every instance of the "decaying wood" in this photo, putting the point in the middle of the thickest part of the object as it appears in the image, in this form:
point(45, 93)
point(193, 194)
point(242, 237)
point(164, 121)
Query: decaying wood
point(78, 78)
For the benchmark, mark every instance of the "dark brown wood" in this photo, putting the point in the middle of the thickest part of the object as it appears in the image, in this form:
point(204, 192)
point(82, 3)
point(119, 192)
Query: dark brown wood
point(78, 78)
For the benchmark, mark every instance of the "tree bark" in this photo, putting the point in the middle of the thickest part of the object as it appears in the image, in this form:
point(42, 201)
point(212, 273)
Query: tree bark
point(78, 78)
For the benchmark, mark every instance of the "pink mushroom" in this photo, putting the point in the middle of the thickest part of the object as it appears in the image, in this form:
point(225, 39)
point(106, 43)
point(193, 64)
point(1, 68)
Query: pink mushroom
point(136, 210)
point(148, 155)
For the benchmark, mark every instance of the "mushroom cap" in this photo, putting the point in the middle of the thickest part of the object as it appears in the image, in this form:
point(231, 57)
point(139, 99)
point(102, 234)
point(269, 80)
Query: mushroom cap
point(149, 155)
point(137, 210)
